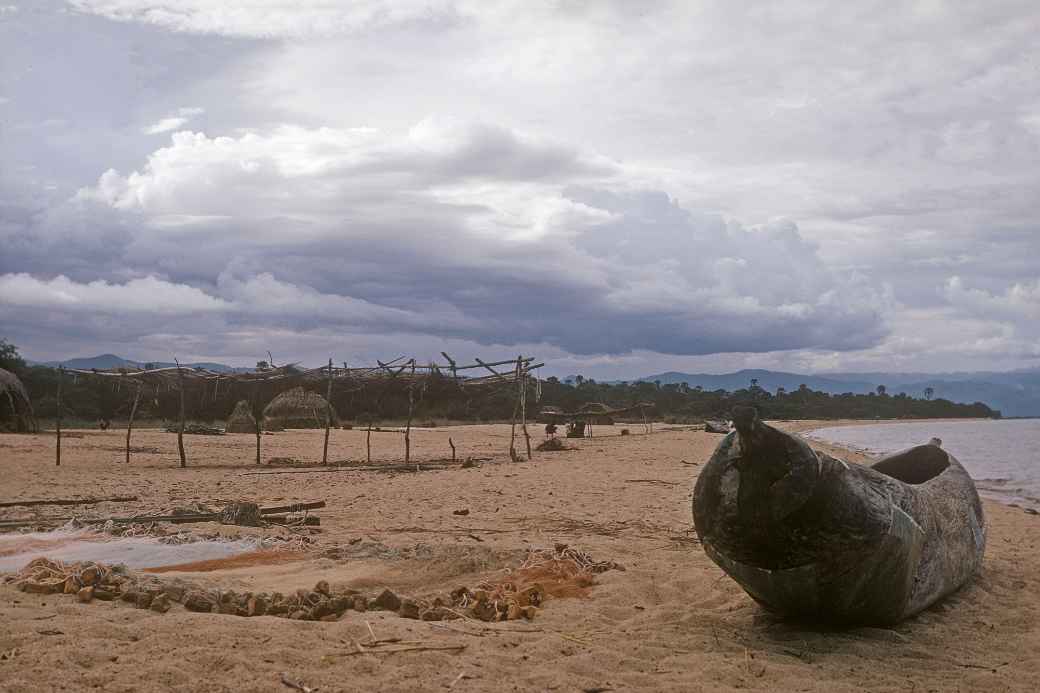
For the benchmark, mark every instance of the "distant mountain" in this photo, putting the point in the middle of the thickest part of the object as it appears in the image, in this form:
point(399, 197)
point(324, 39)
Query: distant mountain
point(1014, 393)
point(107, 361)
point(767, 380)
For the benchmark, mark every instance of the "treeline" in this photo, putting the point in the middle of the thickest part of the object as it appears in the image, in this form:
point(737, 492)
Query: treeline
point(680, 403)
point(87, 399)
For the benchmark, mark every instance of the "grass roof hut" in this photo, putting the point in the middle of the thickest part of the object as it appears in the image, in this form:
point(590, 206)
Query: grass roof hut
point(297, 408)
point(241, 419)
point(16, 412)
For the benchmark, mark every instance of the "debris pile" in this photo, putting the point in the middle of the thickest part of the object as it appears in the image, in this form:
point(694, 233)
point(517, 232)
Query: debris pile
point(197, 430)
point(552, 445)
point(716, 427)
point(87, 580)
point(559, 572)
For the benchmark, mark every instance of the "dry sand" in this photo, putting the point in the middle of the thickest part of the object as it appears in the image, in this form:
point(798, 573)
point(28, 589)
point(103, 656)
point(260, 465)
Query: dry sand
point(672, 621)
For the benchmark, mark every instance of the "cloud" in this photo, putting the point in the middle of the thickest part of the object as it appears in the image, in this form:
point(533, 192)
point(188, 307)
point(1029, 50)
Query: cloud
point(463, 230)
point(270, 18)
point(170, 123)
point(145, 295)
point(608, 178)
point(1019, 301)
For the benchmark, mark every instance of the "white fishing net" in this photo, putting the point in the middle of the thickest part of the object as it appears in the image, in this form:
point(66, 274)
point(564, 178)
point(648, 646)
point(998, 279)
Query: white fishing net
point(135, 552)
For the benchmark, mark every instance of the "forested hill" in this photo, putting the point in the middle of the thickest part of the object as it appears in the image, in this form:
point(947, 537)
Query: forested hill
point(681, 402)
point(1015, 393)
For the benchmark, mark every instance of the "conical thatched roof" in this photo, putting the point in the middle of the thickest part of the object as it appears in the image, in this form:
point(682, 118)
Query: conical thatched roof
point(241, 419)
point(297, 408)
point(16, 412)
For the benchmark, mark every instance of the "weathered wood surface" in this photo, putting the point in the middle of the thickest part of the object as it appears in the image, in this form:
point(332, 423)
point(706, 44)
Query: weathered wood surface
point(815, 538)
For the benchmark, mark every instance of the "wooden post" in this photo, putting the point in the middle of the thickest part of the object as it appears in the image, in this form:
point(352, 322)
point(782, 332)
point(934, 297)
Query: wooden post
point(130, 420)
point(328, 417)
point(180, 426)
point(452, 444)
point(408, 425)
point(523, 412)
point(57, 450)
point(516, 408)
point(257, 416)
point(368, 440)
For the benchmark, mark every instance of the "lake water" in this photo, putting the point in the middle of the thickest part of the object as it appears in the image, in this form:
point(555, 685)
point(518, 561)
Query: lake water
point(1003, 456)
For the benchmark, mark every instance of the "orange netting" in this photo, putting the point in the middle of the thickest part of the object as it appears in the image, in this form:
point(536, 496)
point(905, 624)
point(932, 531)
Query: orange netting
point(241, 560)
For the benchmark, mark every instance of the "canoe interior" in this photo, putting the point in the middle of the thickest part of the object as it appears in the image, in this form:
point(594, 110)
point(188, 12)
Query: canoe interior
point(916, 465)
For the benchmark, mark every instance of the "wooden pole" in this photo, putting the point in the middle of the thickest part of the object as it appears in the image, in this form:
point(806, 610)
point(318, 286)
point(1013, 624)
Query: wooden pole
point(368, 441)
point(180, 426)
point(516, 408)
point(130, 420)
point(452, 444)
point(328, 417)
point(408, 425)
point(523, 412)
point(57, 450)
point(257, 416)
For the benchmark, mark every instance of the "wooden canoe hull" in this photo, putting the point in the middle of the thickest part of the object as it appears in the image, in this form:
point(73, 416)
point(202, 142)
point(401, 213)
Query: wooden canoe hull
point(816, 538)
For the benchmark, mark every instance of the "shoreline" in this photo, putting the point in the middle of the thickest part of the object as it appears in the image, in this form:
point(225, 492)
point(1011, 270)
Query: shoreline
point(851, 453)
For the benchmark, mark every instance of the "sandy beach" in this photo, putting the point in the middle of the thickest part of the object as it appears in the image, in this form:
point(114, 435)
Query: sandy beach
point(670, 621)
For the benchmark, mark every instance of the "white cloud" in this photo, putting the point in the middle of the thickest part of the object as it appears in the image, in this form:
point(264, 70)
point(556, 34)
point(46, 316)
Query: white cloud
point(270, 18)
point(170, 123)
point(144, 295)
point(1018, 302)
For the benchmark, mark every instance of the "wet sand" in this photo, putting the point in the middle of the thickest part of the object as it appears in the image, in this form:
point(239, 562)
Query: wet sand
point(670, 621)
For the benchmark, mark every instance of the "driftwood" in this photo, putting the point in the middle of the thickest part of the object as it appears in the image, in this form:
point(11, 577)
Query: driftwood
point(273, 515)
point(68, 501)
point(359, 467)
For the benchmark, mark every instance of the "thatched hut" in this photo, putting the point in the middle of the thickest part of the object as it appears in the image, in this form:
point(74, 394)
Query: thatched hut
point(16, 412)
point(241, 419)
point(297, 408)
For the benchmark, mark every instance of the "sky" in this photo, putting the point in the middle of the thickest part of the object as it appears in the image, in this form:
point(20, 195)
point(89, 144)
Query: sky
point(617, 188)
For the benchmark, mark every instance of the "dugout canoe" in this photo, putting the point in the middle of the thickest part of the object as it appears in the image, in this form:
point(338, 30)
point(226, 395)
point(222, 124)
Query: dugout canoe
point(812, 537)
